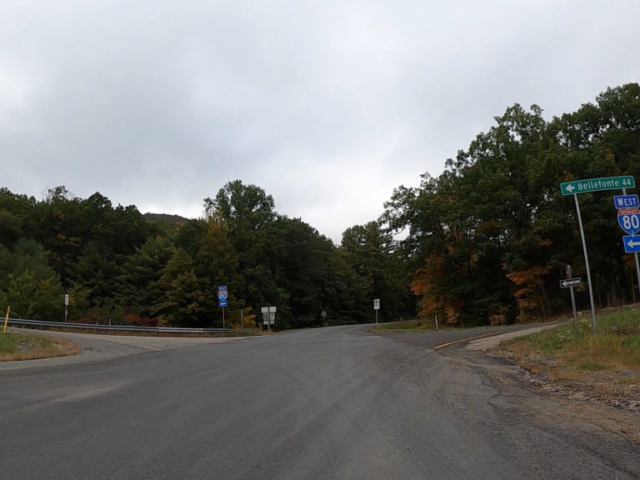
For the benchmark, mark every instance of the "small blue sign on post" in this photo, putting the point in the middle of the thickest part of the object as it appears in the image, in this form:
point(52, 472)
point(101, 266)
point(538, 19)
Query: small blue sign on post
point(631, 243)
point(223, 295)
point(626, 201)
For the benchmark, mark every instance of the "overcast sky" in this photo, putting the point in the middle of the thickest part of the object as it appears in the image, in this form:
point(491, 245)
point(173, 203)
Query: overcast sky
point(327, 105)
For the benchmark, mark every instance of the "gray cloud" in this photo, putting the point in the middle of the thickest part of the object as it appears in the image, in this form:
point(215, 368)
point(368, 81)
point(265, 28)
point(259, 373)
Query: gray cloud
point(326, 105)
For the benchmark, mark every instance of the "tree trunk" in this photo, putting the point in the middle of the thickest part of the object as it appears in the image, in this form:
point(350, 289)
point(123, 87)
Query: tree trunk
point(546, 306)
point(614, 300)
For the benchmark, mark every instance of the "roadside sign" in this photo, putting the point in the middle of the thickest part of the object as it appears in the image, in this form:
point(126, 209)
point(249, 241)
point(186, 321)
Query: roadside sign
point(223, 296)
point(629, 220)
point(66, 299)
point(269, 318)
point(376, 304)
point(323, 314)
point(268, 315)
point(570, 282)
point(626, 201)
point(631, 243)
point(594, 185)
point(597, 184)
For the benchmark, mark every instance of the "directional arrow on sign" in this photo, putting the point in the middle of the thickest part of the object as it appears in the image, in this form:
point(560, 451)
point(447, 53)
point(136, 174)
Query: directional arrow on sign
point(570, 282)
point(597, 185)
point(631, 243)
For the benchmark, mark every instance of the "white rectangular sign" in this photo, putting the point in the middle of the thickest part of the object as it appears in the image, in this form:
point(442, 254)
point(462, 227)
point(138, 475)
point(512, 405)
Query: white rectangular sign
point(570, 282)
point(66, 299)
point(376, 304)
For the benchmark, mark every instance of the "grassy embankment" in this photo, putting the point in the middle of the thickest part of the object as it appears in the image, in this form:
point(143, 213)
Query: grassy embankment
point(573, 352)
point(420, 325)
point(20, 346)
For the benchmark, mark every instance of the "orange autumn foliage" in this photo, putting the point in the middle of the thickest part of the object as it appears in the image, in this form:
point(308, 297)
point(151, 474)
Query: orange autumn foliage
point(425, 285)
point(527, 294)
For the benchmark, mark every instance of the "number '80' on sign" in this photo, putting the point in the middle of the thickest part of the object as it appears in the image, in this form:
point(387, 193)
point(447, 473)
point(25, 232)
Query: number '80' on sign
point(630, 222)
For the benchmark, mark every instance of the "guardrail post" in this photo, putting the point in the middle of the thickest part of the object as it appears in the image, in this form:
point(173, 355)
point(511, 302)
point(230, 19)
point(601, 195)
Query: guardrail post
point(6, 320)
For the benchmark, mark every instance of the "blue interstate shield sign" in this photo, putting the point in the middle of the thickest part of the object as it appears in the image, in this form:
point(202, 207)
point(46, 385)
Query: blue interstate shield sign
point(223, 295)
point(629, 220)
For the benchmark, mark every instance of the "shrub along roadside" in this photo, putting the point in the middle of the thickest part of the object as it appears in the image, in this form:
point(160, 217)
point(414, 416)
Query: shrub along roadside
point(607, 361)
point(420, 325)
point(20, 346)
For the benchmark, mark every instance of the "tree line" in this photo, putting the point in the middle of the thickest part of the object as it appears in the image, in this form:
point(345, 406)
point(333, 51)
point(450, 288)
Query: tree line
point(484, 242)
point(121, 266)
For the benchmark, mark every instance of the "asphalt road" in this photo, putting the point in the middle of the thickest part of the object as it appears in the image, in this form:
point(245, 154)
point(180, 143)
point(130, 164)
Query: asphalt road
point(333, 403)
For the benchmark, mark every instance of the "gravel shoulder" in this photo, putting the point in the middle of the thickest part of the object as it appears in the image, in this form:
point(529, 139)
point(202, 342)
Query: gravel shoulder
point(587, 402)
point(104, 347)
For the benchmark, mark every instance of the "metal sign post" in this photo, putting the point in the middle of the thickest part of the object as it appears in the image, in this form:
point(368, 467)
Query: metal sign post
point(376, 307)
point(635, 255)
point(66, 305)
point(223, 296)
point(573, 305)
point(586, 263)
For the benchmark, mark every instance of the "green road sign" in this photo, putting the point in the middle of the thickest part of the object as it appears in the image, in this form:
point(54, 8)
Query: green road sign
point(597, 184)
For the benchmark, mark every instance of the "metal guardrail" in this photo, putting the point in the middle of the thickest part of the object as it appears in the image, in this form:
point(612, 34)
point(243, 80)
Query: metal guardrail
point(115, 328)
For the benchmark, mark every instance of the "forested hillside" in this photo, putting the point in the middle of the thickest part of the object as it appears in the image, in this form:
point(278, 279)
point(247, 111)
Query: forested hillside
point(489, 237)
point(486, 241)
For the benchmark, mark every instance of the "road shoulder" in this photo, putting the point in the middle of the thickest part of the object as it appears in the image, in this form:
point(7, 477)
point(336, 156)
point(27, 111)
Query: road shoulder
point(576, 404)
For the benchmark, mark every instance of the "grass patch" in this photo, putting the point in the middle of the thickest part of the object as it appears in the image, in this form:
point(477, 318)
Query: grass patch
point(20, 346)
point(568, 375)
point(405, 326)
point(614, 347)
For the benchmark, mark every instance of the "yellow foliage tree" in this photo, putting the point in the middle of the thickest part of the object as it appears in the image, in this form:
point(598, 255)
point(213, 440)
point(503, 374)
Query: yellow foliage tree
point(424, 285)
point(234, 320)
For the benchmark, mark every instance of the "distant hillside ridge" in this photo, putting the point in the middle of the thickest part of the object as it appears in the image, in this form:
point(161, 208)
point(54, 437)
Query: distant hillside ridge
point(172, 220)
